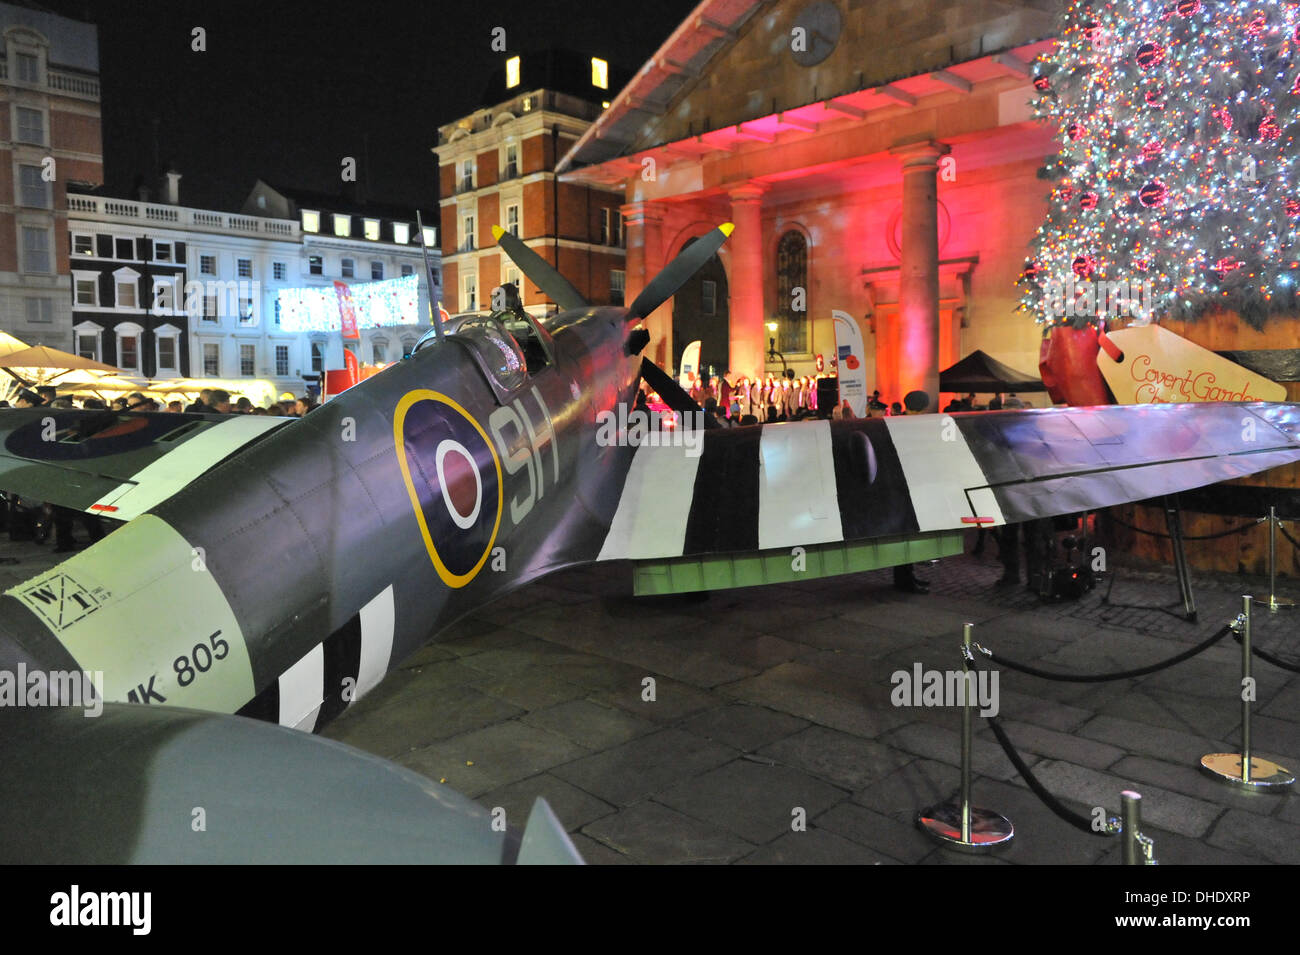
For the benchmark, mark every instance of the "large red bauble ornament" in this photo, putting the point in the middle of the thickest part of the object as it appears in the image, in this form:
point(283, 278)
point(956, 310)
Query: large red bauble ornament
point(1268, 128)
point(1153, 194)
point(1256, 25)
point(1084, 266)
point(1042, 84)
point(1092, 31)
point(1075, 131)
point(1153, 149)
point(1149, 55)
point(1293, 207)
point(1187, 8)
point(1067, 193)
point(1032, 269)
point(1088, 201)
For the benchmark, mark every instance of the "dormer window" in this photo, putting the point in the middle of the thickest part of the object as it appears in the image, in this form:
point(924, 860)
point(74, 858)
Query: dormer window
point(372, 230)
point(401, 233)
point(342, 225)
point(310, 221)
point(599, 73)
point(512, 72)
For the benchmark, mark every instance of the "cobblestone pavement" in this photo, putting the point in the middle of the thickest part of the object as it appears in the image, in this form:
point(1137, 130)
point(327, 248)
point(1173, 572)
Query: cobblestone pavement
point(773, 705)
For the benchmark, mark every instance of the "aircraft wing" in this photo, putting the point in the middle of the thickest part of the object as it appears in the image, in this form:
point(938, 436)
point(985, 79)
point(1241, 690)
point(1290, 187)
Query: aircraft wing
point(854, 495)
point(119, 464)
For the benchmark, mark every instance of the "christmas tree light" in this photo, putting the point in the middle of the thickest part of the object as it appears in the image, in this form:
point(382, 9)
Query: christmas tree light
point(1175, 176)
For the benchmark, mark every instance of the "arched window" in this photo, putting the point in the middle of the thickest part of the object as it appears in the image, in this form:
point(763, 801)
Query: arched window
point(792, 305)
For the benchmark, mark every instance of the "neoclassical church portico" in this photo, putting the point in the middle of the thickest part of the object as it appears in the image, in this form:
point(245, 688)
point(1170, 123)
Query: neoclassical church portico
point(879, 160)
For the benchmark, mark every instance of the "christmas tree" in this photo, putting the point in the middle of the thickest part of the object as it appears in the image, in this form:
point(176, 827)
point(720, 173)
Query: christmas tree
point(1173, 191)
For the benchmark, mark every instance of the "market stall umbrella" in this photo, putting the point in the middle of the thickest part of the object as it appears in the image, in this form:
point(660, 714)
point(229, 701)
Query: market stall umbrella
point(984, 375)
point(10, 344)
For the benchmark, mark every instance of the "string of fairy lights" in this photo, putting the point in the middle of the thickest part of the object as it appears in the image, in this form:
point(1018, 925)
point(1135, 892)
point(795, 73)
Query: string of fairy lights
point(377, 305)
point(1177, 123)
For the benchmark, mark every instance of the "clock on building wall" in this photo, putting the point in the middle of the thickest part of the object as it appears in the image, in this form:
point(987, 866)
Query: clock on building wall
point(820, 22)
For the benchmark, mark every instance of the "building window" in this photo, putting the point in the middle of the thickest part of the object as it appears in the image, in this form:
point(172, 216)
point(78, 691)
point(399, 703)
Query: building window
point(310, 221)
point(512, 220)
point(207, 265)
point(35, 191)
point(282, 360)
point(125, 288)
point(379, 352)
point(246, 312)
point(162, 251)
point(166, 353)
point(376, 270)
point(164, 295)
point(467, 234)
point(279, 271)
point(469, 301)
point(617, 281)
point(512, 278)
point(36, 250)
point(88, 345)
point(512, 72)
point(512, 161)
point(604, 227)
point(210, 308)
point(466, 175)
point(709, 297)
point(85, 289)
point(372, 229)
point(401, 233)
point(40, 311)
point(342, 225)
point(128, 352)
point(31, 126)
point(348, 268)
point(248, 360)
point(599, 73)
point(618, 228)
point(791, 273)
point(211, 359)
point(244, 268)
point(317, 356)
point(528, 104)
point(407, 270)
point(83, 245)
point(430, 236)
point(29, 68)
point(123, 249)
point(315, 265)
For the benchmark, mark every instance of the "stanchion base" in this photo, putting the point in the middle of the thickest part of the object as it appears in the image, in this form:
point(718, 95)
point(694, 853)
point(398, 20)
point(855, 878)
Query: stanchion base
point(1275, 604)
point(987, 828)
point(1265, 775)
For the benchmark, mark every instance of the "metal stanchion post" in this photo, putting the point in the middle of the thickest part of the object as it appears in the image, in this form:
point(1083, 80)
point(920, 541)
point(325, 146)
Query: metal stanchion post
point(1244, 770)
point(958, 823)
point(1275, 603)
point(1138, 849)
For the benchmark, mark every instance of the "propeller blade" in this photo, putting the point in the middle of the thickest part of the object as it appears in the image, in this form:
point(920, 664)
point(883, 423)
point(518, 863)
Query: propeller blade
point(678, 272)
point(673, 395)
point(543, 274)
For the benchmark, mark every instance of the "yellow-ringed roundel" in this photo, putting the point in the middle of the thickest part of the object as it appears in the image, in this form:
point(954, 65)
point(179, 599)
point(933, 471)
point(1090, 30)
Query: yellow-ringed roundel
point(453, 475)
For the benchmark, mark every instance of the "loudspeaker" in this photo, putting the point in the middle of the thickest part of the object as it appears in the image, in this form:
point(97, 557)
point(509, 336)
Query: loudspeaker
point(828, 395)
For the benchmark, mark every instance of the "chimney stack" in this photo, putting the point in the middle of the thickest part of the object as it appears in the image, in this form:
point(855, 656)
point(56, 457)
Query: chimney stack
point(171, 187)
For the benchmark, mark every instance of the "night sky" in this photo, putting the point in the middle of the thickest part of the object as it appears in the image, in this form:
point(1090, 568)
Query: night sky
point(288, 88)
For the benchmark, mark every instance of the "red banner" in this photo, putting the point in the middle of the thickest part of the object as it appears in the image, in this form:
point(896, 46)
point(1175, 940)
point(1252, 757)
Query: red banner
point(347, 313)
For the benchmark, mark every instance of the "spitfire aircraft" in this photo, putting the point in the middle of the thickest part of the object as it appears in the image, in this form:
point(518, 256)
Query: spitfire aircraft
point(278, 569)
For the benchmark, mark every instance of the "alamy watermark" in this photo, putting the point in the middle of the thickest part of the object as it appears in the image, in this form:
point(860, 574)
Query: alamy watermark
point(1085, 298)
point(922, 687)
point(40, 688)
point(640, 428)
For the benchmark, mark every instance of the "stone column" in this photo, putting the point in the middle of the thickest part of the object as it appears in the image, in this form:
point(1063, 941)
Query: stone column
point(643, 236)
point(747, 328)
point(918, 285)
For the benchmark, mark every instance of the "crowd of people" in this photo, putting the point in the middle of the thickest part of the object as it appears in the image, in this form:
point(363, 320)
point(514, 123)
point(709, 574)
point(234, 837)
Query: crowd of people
point(209, 401)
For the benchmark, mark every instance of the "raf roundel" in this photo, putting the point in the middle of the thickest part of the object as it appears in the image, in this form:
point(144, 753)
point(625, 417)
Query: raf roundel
point(453, 476)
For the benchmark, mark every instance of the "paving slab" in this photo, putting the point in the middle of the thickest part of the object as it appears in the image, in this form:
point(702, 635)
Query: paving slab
point(534, 689)
point(899, 839)
point(1084, 788)
point(837, 757)
point(635, 769)
point(815, 847)
point(1251, 834)
point(651, 833)
point(482, 760)
point(570, 804)
point(593, 725)
point(410, 723)
point(743, 726)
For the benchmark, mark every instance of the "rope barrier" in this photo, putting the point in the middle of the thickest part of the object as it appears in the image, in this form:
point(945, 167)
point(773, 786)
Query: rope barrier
point(1106, 677)
point(1269, 658)
point(1080, 822)
point(1281, 525)
point(1191, 537)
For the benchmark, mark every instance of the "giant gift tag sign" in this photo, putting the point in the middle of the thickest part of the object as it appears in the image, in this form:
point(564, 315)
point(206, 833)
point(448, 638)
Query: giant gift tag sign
point(1157, 366)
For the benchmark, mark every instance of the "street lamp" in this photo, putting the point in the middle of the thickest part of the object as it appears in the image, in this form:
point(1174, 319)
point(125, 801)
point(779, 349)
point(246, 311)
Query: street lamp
point(772, 353)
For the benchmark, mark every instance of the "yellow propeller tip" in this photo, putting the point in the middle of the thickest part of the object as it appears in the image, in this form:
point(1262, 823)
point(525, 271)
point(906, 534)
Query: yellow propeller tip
point(727, 228)
point(498, 232)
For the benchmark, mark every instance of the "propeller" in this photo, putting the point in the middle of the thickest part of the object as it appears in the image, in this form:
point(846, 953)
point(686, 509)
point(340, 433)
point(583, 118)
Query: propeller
point(677, 272)
point(543, 274)
point(673, 395)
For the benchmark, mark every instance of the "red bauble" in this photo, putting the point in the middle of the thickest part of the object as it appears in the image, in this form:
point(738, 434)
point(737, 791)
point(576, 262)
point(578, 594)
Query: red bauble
point(1042, 84)
point(1149, 55)
point(1155, 94)
point(1092, 31)
point(1268, 128)
point(1075, 131)
point(1141, 264)
point(1084, 266)
point(1295, 87)
point(1256, 25)
point(1032, 269)
point(1293, 207)
point(1088, 201)
point(1187, 8)
point(1223, 116)
point(1153, 149)
point(1227, 264)
point(1067, 193)
point(1153, 194)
